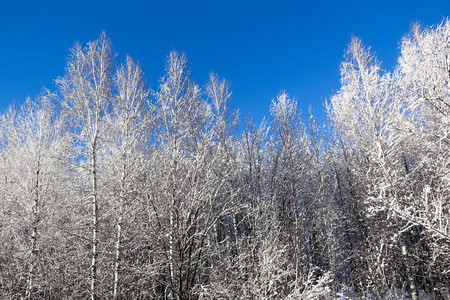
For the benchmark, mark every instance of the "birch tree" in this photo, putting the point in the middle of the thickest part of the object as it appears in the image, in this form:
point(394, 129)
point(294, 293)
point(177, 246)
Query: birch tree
point(423, 80)
point(185, 185)
point(128, 126)
point(35, 142)
point(290, 160)
point(86, 94)
point(366, 115)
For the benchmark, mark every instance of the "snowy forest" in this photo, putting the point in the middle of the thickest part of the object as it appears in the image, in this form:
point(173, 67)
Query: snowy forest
point(111, 190)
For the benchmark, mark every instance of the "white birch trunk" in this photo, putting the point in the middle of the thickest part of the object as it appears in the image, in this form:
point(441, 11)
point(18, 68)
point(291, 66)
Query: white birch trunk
point(95, 224)
point(118, 256)
point(34, 236)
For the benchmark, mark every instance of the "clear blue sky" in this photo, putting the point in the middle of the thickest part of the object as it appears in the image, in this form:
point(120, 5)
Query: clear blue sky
point(261, 47)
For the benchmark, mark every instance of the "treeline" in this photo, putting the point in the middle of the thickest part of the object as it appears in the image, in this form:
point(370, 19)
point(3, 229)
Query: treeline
point(109, 190)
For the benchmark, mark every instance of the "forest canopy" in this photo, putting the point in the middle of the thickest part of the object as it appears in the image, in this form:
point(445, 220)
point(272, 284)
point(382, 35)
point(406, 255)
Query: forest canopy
point(111, 190)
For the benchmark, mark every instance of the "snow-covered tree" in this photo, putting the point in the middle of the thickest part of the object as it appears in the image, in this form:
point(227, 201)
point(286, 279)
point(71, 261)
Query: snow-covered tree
point(423, 84)
point(367, 115)
point(126, 143)
point(85, 97)
point(33, 143)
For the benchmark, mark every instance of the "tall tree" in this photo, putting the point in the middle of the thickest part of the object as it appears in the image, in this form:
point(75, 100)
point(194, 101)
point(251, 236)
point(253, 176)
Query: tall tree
point(86, 94)
point(34, 144)
point(128, 126)
point(289, 136)
point(423, 84)
point(185, 183)
point(366, 115)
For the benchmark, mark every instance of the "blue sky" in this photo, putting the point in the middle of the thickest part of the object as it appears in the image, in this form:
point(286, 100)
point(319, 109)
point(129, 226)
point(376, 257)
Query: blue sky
point(261, 47)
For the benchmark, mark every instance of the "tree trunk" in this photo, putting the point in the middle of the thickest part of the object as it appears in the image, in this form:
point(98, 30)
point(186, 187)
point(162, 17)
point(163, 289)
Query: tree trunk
point(95, 225)
point(117, 260)
point(34, 235)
